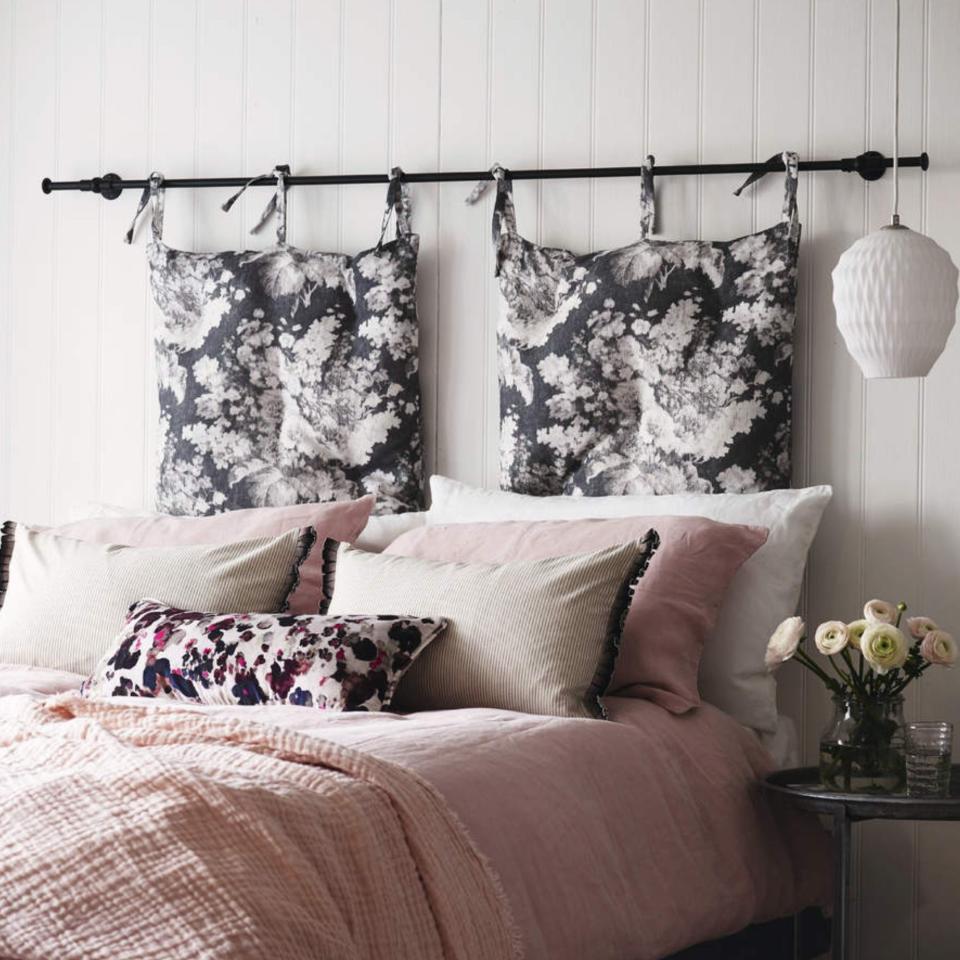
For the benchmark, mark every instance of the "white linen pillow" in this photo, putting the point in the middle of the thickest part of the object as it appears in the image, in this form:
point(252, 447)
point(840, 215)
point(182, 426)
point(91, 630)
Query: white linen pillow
point(99, 510)
point(764, 591)
point(382, 530)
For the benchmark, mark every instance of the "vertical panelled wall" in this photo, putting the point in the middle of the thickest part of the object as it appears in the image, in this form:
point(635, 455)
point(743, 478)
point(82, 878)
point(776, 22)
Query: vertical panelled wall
point(235, 86)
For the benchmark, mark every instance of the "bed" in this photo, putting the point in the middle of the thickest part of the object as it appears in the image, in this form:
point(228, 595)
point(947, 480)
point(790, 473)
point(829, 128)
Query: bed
point(636, 838)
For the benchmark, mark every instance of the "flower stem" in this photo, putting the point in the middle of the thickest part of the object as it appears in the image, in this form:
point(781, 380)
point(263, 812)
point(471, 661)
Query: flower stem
point(805, 660)
point(856, 680)
point(901, 607)
point(848, 681)
point(907, 680)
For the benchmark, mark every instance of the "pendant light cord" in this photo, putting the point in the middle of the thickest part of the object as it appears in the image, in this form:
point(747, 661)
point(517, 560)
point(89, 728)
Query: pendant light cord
point(896, 126)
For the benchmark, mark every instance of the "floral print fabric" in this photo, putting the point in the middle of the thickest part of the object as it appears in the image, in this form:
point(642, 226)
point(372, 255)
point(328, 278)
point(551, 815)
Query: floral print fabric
point(661, 367)
point(286, 375)
point(330, 663)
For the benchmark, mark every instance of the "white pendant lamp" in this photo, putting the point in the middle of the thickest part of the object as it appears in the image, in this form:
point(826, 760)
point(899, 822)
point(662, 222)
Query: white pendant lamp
point(895, 290)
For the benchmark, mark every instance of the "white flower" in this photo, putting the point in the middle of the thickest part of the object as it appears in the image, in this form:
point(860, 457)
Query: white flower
point(879, 611)
point(939, 647)
point(855, 632)
point(784, 642)
point(831, 637)
point(919, 627)
point(282, 273)
point(884, 647)
point(736, 479)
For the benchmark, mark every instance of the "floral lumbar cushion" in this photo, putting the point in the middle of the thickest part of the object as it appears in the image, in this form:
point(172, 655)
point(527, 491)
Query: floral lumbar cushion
point(331, 663)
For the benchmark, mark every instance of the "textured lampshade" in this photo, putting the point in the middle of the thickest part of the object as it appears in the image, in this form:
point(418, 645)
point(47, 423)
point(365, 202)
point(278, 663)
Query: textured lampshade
point(895, 293)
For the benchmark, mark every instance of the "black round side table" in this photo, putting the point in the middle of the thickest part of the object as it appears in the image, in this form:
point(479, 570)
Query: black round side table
point(802, 788)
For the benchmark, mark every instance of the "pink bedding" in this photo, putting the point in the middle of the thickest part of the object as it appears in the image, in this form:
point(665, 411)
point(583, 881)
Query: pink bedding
point(172, 834)
point(626, 839)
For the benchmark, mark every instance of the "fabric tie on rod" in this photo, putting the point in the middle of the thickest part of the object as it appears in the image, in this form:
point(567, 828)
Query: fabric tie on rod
point(277, 203)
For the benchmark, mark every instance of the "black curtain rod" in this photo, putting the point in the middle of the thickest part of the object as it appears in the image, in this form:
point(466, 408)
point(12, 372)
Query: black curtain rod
point(870, 165)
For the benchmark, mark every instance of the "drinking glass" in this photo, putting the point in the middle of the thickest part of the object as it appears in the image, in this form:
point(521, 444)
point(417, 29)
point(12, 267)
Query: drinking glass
point(928, 745)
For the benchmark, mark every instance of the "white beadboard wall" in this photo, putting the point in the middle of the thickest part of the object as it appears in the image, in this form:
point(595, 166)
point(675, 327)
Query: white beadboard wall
point(205, 87)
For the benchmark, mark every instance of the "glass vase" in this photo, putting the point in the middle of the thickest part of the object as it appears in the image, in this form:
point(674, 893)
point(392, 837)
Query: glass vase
point(862, 749)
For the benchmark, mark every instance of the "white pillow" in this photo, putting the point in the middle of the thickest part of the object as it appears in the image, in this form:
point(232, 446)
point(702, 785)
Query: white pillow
point(98, 510)
point(764, 591)
point(381, 531)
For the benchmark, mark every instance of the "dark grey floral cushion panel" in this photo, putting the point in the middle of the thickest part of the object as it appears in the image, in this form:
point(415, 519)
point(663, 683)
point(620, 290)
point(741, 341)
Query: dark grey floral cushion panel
point(661, 367)
point(288, 376)
point(330, 663)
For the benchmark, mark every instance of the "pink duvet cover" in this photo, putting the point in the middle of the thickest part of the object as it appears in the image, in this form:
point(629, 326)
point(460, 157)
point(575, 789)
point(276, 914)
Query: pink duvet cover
point(626, 839)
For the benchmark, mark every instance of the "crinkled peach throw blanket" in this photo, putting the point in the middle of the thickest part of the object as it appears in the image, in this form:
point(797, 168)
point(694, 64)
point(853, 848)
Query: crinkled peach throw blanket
point(156, 832)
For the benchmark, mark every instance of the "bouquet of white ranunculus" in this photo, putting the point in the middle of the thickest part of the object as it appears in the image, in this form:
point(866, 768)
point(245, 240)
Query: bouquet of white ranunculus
point(877, 659)
point(869, 664)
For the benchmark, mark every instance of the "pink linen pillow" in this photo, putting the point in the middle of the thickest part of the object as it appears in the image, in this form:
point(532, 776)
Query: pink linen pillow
point(675, 605)
point(341, 520)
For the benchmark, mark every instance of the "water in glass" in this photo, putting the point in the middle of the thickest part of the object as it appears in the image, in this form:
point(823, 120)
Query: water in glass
point(928, 758)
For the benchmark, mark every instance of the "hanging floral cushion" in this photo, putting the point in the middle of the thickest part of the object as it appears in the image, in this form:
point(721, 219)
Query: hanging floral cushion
point(660, 367)
point(285, 375)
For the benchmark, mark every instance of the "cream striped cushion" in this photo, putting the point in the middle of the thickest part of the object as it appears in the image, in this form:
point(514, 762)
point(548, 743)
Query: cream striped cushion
point(534, 636)
point(66, 599)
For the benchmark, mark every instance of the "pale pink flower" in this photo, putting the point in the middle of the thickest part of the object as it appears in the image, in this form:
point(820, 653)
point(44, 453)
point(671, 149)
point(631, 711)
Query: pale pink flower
point(784, 642)
point(919, 627)
point(880, 611)
point(939, 647)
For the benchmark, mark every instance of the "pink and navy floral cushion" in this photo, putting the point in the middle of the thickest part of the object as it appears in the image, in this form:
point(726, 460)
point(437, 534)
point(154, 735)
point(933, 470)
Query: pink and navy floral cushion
point(328, 662)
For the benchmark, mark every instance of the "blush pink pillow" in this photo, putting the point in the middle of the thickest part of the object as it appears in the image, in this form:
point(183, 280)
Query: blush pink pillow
point(338, 520)
point(675, 605)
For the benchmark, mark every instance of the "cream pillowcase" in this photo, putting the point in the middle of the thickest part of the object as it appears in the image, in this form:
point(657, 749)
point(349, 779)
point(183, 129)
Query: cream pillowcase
point(765, 589)
point(62, 601)
point(382, 530)
point(534, 636)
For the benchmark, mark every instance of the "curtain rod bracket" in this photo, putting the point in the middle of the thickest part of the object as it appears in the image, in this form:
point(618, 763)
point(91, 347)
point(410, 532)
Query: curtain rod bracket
point(109, 186)
point(870, 165)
